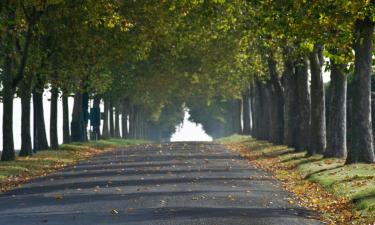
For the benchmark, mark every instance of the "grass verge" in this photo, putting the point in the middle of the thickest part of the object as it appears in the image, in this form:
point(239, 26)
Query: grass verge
point(343, 194)
point(14, 173)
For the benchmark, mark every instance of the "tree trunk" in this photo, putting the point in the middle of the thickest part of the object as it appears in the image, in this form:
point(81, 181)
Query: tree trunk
point(85, 115)
point(132, 122)
point(318, 115)
point(53, 119)
point(111, 120)
point(246, 112)
point(336, 135)
point(8, 153)
point(77, 124)
point(105, 133)
point(40, 136)
point(277, 104)
point(65, 108)
point(26, 144)
point(124, 119)
point(252, 109)
point(291, 106)
point(303, 99)
point(236, 113)
point(95, 115)
point(361, 149)
point(117, 122)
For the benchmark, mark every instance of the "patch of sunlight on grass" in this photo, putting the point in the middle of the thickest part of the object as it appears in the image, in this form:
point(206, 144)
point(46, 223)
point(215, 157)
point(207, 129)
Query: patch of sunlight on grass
point(233, 139)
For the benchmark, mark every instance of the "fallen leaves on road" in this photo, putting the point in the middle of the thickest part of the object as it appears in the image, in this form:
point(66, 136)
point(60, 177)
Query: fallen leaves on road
point(131, 210)
point(332, 209)
point(114, 212)
point(58, 197)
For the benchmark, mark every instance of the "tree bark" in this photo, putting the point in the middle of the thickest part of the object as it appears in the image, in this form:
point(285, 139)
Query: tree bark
point(361, 149)
point(132, 114)
point(105, 133)
point(117, 122)
point(65, 108)
point(96, 107)
point(85, 115)
point(318, 116)
point(291, 105)
point(77, 124)
point(53, 119)
point(236, 114)
point(304, 107)
point(246, 112)
point(336, 135)
point(277, 103)
point(124, 119)
point(26, 144)
point(252, 109)
point(8, 153)
point(40, 136)
point(111, 119)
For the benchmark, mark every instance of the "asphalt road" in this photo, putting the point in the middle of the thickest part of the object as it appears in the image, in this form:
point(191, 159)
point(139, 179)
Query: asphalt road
point(169, 184)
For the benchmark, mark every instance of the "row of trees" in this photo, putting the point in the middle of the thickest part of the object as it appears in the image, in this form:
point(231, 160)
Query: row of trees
point(147, 60)
point(288, 102)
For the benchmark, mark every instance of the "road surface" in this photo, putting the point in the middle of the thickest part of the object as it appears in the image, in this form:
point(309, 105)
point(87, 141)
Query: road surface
point(190, 183)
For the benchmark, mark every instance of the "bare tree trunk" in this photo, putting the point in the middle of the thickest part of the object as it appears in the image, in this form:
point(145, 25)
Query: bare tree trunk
point(362, 149)
point(318, 116)
point(117, 122)
point(303, 134)
point(111, 120)
point(53, 118)
point(336, 135)
point(124, 119)
point(66, 128)
point(40, 136)
point(77, 119)
point(105, 133)
point(25, 92)
point(277, 103)
point(95, 115)
point(246, 112)
point(291, 105)
point(8, 153)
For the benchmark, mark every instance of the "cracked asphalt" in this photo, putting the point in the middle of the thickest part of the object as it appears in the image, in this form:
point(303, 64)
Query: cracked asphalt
point(184, 183)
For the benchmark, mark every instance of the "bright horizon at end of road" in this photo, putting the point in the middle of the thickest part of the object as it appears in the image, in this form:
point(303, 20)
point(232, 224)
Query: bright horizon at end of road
point(189, 131)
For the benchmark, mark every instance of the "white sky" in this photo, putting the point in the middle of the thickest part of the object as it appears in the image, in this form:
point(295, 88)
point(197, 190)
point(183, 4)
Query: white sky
point(189, 131)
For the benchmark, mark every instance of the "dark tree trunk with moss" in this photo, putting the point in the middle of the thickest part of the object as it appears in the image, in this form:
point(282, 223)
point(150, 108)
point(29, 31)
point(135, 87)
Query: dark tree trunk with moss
point(53, 119)
point(111, 120)
point(65, 111)
point(277, 104)
point(40, 136)
point(117, 122)
point(318, 118)
point(246, 112)
point(336, 133)
point(291, 106)
point(362, 149)
point(105, 133)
